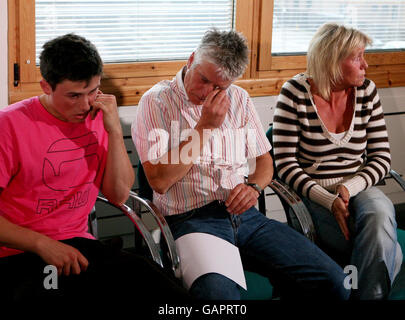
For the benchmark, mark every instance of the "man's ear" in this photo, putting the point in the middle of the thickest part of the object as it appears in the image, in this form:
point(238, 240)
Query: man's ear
point(190, 61)
point(46, 87)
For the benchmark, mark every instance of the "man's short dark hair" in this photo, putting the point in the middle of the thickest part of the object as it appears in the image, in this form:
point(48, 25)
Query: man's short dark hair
point(69, 57)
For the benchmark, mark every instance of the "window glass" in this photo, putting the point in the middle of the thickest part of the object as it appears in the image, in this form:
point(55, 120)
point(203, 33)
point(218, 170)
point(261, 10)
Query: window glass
point(296, 21)
point(133, 30)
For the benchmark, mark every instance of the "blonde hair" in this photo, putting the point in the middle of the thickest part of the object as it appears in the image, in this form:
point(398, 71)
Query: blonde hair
point(331, 44)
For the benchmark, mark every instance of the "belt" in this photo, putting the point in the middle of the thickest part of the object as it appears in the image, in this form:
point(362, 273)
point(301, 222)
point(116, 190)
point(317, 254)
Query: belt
point(214, 205)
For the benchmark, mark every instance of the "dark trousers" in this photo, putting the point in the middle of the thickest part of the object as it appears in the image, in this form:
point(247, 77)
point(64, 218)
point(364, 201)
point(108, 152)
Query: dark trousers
point(112, 275)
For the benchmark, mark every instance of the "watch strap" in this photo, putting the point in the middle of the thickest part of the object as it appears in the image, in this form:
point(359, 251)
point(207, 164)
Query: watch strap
point(255, 186)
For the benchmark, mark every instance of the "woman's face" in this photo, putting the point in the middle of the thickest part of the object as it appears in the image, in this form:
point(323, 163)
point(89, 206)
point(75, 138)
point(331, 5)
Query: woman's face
point(354, 69)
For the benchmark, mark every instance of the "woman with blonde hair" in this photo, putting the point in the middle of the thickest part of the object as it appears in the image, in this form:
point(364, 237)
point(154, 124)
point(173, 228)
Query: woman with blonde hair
point(331, 145)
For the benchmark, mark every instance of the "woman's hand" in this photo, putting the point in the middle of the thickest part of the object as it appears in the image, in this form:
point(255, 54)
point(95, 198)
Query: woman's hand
point(343, 193)
point(341, 213)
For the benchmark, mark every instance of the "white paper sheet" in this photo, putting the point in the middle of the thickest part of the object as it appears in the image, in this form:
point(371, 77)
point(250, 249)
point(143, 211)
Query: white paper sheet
point(202, 253)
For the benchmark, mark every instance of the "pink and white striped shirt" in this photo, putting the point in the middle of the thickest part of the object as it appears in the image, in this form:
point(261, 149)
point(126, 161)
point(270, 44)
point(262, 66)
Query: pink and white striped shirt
point(165, 116)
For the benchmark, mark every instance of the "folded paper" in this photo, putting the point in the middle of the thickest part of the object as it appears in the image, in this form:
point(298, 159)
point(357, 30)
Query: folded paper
point(202, 253)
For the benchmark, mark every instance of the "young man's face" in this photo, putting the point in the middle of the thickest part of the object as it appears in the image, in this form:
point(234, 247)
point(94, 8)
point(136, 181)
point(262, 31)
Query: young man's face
point(201, 79)
point(71, 101)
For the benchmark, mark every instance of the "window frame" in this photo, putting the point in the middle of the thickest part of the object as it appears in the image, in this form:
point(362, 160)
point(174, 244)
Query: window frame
point(264, 75)
point(386, 69)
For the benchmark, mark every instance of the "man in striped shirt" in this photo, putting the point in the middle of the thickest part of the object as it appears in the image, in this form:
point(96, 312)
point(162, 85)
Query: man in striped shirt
point(326, 121)
point(198, 136)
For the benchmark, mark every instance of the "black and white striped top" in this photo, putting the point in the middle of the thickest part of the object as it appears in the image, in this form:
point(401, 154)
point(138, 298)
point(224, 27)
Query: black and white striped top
point(312, 160)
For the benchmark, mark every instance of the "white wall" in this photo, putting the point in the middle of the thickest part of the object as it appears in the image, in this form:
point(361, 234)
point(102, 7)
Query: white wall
point(3, 54)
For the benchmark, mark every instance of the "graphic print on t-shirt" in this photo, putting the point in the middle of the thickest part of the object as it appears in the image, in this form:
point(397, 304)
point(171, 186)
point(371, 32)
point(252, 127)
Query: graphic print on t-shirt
point(70, 163)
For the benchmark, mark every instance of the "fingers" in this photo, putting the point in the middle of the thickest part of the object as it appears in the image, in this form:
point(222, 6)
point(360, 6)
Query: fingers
point(213, 115)
point(73, 265)
point(107, 103)
point(83, 262)
point(78, 265)
point(216, 100)
point(343, 194)
point(221, 102)
point(232, 195)
point(343, 227)
point(93, 112)
point(241, 198)
point(68, 260)
point(71, 268)
point(341, 215)
point(211, 96)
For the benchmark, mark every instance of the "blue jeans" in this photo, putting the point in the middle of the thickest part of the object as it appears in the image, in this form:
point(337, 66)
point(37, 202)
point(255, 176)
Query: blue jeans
point(291, 262)
point(373, 246)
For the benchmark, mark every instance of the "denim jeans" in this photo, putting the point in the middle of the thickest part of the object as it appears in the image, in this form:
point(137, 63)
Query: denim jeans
point(294, 264)
point(373, 246)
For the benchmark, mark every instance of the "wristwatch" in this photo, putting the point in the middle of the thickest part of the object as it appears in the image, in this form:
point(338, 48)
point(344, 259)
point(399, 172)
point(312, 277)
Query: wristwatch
point(255, 186)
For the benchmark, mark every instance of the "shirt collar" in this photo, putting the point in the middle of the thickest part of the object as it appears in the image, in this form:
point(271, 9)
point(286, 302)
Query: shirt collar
point(180, 83)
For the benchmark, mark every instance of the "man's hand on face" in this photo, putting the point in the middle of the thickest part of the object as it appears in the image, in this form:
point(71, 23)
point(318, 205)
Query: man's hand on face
point(107, 103)
point(214, 109)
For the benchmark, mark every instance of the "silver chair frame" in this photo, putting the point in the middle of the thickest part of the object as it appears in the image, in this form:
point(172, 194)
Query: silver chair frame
point(138, 223)
point(297, 207)
point(163, 226)
point(396, 176)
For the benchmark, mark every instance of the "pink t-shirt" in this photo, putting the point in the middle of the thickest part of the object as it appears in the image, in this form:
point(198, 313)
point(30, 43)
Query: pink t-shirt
point(50, 170)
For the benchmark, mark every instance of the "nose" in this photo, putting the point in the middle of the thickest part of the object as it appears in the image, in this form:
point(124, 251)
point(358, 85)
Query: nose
point(85, 104)
point(364, 64)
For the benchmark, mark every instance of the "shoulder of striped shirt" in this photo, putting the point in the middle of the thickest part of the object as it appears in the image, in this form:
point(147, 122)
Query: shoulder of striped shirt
point(160, 90)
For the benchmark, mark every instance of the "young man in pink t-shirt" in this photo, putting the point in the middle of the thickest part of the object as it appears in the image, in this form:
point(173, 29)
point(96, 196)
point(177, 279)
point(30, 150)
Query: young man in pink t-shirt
point(57, 151)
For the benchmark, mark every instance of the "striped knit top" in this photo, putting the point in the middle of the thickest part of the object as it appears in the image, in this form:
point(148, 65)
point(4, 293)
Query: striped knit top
point(165, 117)
point(312, 160)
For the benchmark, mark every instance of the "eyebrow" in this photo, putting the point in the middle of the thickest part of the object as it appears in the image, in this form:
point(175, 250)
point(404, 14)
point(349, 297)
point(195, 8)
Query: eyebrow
point(204, 78)
point(80, 93)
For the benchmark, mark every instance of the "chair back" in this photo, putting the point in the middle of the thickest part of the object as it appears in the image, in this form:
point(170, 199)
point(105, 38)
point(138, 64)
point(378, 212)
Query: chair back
point(291, 218)
point(269, 135)
point(145, 191)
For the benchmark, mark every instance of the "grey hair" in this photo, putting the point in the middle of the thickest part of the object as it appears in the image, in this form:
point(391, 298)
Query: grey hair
point(226, 49)
point(331, 44)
